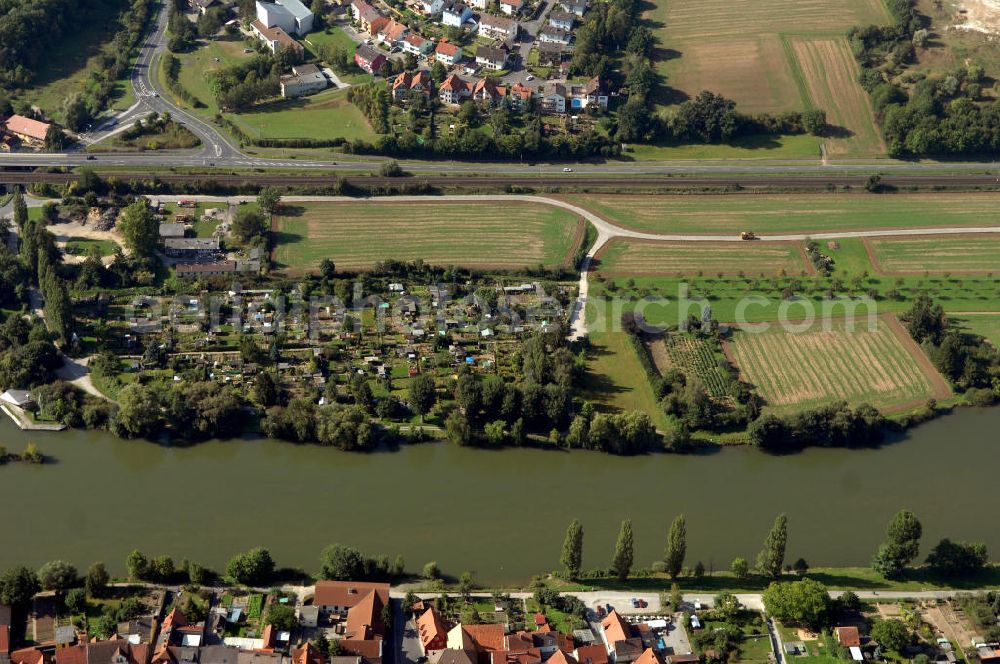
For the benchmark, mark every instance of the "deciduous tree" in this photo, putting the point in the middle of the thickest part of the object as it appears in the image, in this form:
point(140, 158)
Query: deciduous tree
point(572, 550)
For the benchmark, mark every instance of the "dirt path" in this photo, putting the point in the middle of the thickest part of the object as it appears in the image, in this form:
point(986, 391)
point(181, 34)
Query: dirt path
point(939, 384)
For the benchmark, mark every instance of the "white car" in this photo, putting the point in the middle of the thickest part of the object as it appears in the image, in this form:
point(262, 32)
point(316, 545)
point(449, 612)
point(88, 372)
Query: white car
point(530, 78)
point(567, 170)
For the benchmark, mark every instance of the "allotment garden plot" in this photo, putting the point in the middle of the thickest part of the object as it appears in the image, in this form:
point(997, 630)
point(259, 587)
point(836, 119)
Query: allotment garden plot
point(357, 235)
point(937, 254)
point(795, 370)
point(623, 257)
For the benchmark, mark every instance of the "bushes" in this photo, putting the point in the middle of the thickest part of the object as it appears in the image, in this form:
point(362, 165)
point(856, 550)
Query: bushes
point(836, 425)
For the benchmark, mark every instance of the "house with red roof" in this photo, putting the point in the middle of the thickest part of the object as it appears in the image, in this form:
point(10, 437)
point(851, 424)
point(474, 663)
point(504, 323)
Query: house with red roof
point(409, 83)
point(363, 603)
point(447, 53)
point(486, 90)
point(28, 131)
point(369, 58)
point(454, 90)
point(432, 631)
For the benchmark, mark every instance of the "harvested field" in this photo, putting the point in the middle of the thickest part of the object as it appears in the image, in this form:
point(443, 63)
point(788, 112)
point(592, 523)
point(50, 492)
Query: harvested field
point(734, 48)
point(356, 235)
point(624, 257)
point(936, 254)
point(793, 371)
point(751, 70)
point(790, 213)
point(829, 75)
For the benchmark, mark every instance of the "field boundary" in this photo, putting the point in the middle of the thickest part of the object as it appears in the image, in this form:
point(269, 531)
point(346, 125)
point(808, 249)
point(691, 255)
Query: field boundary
point(940, 386)
point(878, 268)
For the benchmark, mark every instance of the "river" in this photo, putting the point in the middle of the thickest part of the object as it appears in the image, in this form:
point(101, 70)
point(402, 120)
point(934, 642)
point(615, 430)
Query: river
point(501, 514)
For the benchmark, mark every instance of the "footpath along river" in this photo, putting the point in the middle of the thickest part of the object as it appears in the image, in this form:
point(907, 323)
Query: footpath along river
point(500, 513)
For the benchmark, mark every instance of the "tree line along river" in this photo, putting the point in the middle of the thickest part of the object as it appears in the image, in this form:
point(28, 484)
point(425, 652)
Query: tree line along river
point(501, 513)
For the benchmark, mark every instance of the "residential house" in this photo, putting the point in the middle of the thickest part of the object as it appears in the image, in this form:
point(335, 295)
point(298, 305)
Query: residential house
point(392, 32)
point(554, 98)
point(447, 53)
point(112, 651)
point(481, 5)
point(591, 655)
point(432, 631)
point(590, 94)
point(338, 597)
point(290, 15)
point(455, 13)
point(497, 27)
point(648, 656)
point(452, 656)
point(491, 57)
point(191, 247)
point(486, 90)
point(988, 653)
point(577, 7)
point(431, 7)
point(417, 45)
point(369, 58)
point(520, 95)
point(202, 6)
point(407, 83)
point(364, 14)
point(849, 636)
point(304, 80)
point(30, 132)
point(511, 7)
point(453, 90)
point(307, 654)
point(28, 656)
point(622, 645)
point(552, 35)
point(562, 20)
point(550, 54)
point(482, 639)
point(275, 38)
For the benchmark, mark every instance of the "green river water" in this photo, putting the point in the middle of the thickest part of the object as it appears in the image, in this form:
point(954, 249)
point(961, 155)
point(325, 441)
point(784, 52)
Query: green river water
point(501, 513)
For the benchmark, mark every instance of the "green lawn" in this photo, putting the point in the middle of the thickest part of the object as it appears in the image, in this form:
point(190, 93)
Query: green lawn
point(801, 146)
point(81, 246)
point(357, 235)
point(324, 116)
point(332, 35)
point(986, 325)
point(197, 67)
point(615, 381)
point(791, 213)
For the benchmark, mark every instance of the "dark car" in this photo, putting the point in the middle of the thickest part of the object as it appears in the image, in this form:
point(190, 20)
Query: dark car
point(91, 157)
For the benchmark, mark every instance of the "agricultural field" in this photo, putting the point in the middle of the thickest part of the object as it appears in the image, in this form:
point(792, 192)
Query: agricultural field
point(624, 257)
point(828, 74)
point(880, 366)
point(694, 357)
point(356, 235)
point(324, 116)
point(735, 48)
point(937, 254)
point(790, 213)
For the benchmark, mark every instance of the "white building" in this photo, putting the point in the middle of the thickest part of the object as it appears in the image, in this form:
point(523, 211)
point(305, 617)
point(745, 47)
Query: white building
point(497, 27)
point(511, 7)
point(304, 80)
point(455, 13)
point(290, 15)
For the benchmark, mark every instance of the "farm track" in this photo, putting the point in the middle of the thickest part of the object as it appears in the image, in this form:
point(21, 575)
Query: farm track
point(569, 181)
